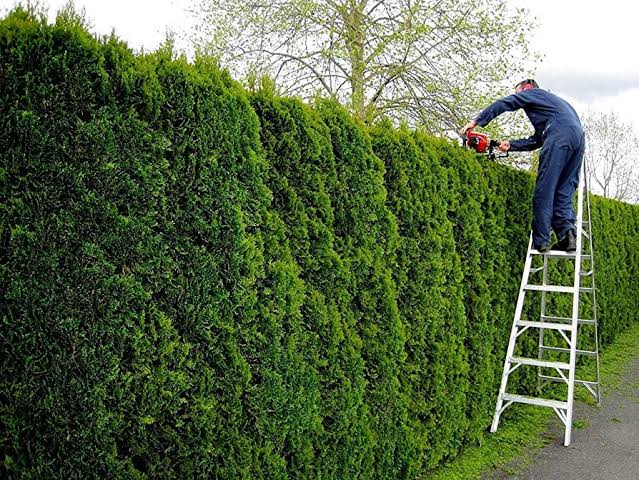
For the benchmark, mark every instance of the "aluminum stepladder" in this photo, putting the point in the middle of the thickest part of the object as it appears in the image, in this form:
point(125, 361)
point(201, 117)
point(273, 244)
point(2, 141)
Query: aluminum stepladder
point(567, 327)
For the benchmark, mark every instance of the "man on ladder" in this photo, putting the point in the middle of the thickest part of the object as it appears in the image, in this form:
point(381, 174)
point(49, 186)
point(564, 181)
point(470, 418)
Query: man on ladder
point(559, 134)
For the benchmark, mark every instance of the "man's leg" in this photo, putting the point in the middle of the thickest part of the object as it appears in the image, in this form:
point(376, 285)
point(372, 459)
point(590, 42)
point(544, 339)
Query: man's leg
point(563, 218)
point(551, 163)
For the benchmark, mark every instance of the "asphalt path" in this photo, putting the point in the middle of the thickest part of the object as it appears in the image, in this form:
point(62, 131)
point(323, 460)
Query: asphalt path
point(606, 447)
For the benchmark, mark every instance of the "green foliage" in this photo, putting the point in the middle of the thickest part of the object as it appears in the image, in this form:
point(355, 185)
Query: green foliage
point(302, 172)
point(429, 281)
point(366, 238)
point(615, 227)
point(91, 364)
point(198, 283)
point(143, 270)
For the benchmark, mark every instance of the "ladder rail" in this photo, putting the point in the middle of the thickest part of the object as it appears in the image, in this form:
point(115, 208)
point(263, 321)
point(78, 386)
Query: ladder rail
point(594, 288)
point(513, 337)
point(575, 308)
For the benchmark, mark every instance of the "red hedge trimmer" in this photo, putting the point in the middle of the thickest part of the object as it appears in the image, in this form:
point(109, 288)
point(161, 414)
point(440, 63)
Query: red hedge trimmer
point(482, 144)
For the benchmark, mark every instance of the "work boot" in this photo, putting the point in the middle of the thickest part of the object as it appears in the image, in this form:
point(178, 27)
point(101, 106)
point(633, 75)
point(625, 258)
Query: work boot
point(568, 243)
point(542, 248)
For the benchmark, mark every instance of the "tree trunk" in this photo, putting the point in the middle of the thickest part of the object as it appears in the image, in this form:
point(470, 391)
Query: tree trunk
point(353, 15)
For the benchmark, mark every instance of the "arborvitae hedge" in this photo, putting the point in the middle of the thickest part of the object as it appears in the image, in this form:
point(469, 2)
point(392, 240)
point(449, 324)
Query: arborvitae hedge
point(301, 175)
point(366, 238)
point(429, 281)
point(196, 282)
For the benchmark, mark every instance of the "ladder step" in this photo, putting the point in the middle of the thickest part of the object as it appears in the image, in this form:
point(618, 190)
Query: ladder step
point(559, 253)
point(561, 380)
point(550, 288)
point(546, 325)
point(586, 274)
point(543, 402)
point(567, 350)
point(554, 253)
point(580, 321)
point(557, 288)
point(540, 363)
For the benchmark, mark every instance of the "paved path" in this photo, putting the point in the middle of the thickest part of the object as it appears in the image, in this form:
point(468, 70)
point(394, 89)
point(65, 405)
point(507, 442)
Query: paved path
point(607, 448)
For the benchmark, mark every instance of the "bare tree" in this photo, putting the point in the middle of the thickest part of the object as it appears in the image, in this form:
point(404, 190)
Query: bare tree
point(611, 156)
point(431, 62)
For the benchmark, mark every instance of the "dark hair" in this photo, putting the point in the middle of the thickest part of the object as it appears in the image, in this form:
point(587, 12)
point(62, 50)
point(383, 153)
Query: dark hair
point(530, 81)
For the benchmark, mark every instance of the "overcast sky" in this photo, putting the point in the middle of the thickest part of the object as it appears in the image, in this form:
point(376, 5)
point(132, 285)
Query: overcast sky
point(590, 50)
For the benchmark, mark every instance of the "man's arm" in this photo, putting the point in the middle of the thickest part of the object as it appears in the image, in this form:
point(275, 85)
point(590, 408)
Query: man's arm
point(507, 104)
point(526, 144)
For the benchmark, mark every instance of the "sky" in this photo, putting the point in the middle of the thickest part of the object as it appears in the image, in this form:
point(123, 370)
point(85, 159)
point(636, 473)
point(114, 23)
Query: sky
point(588, 47)
point(589, 53)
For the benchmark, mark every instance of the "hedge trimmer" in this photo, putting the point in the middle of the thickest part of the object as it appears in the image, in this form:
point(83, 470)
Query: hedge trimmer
point(481, 144)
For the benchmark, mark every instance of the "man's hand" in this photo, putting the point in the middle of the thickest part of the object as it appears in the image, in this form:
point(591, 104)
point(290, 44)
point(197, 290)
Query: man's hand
point(504, 146)
point(468, 128)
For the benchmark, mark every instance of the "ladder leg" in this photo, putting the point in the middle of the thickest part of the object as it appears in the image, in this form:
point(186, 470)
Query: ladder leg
point(594, 294)
point(575, 308)
point(571, 389)
point(513, 337)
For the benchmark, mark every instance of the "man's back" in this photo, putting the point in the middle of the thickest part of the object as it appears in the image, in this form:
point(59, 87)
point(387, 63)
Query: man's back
point(541, 107)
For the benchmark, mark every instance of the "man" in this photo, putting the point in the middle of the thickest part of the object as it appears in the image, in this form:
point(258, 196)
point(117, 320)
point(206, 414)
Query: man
point(559, 134)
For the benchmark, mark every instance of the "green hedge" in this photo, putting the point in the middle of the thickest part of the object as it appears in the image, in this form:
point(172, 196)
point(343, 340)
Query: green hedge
point(302, 174)
point(199, 282)
point(429, 280)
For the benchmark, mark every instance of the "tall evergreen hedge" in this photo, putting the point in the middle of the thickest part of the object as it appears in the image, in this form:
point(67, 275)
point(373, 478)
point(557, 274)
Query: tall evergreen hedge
point(197, 282)
point(143, 270)
point(301, 175)
point(429, 281)
point(366, 237)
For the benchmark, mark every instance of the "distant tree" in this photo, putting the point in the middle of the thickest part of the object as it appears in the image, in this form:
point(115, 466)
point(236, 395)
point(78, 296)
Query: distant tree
point(430, 62)
point(611, 156)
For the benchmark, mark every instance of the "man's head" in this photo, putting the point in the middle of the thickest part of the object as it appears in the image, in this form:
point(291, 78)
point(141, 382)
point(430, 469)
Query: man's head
point(526, 85)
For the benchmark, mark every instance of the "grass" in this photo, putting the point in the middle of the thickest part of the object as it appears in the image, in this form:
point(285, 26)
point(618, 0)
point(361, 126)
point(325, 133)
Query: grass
point(583, 423)
point(514, 439)
point(520, 436)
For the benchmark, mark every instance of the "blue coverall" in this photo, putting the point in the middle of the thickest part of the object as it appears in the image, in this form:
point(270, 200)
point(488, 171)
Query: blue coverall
point(559, 133)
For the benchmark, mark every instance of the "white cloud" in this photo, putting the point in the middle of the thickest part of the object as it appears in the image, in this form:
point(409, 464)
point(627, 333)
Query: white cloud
point(589, 87)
